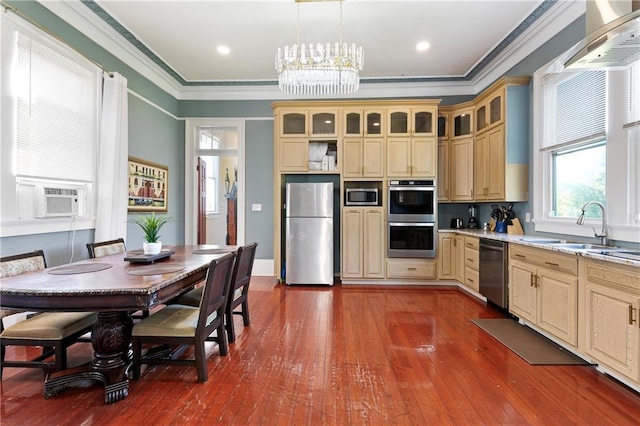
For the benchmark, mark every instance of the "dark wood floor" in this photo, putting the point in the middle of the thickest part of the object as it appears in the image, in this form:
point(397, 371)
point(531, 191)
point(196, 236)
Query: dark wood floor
point(344, 355)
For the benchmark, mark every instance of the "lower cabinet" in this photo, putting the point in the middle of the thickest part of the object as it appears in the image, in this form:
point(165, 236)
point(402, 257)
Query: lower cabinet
point(612, 316)
point(458, 248)
point(546, 296)
point(446, 257)
point(363, 243)
point(414, 269)
point(471, 262)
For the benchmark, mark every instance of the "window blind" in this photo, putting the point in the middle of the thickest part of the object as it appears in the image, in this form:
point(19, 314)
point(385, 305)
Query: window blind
point(57, 119)
point(580, 107)
point(632, 93)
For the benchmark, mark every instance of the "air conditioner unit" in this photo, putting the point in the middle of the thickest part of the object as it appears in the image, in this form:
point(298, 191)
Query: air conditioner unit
point(56, 201)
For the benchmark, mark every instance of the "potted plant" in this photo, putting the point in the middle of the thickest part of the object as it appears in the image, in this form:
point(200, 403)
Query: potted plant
point(151, 225)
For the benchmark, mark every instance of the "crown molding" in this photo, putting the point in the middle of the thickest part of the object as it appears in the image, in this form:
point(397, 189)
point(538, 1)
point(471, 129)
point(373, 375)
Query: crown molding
point(547, 25)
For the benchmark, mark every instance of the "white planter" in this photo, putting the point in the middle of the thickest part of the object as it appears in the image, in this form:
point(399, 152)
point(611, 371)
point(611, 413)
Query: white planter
point(152, 248)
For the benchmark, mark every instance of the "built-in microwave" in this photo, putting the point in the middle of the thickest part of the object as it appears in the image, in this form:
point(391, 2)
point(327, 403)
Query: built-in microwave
point(361, 197)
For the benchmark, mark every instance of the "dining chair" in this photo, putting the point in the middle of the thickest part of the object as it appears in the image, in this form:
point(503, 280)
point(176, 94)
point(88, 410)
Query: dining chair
point(239, 292)
point(53, 331)
point(184, 326)
point(107, 248)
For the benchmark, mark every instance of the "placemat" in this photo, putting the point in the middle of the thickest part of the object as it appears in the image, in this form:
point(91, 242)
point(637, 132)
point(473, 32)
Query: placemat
point(81, 268)
point(222, 249)
point(156, 269)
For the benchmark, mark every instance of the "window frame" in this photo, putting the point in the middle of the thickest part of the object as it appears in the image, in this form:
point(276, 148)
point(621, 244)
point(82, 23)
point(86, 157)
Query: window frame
point(16, 193)
point(623, 221)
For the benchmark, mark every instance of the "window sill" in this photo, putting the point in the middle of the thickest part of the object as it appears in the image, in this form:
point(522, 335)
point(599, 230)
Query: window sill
point(42, 226)
point(628, 233)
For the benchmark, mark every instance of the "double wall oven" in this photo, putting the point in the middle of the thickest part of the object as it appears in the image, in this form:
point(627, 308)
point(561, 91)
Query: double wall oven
point(411, 218)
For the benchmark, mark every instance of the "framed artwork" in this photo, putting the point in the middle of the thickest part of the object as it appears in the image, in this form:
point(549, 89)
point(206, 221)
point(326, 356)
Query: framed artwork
point(148, 186)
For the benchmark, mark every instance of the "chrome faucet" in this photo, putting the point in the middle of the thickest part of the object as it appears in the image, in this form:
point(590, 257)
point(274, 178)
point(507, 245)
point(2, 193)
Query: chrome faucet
point(603, 232)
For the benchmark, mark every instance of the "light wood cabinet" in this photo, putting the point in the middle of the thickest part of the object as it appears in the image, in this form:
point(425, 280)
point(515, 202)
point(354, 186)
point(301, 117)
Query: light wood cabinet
point(462, 121)
point(293, 154)
point(417, 121)
point(501, 156)
point(443, 124)
point(443, 181)
point(363, 157)
point(362, 243)
point(612, 308)
point(295, 122)
point(458, 247)
point(411, 157)
point(471, 263)
point(359, 122)
point(543, 289)
point(414, 269)
point(461, 173)
point(446, 257)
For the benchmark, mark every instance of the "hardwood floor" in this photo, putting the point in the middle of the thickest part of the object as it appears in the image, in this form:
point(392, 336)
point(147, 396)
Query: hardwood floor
point(343, 355)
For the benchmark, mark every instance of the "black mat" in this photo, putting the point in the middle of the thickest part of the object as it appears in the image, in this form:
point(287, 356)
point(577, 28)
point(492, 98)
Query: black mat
point(528, 344)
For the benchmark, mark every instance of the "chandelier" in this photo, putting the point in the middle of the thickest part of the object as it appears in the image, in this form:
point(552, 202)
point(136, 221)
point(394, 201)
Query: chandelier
point(330, 69)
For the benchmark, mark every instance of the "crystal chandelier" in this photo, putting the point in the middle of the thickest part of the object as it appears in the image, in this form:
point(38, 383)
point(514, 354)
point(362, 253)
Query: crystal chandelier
point(332, 69)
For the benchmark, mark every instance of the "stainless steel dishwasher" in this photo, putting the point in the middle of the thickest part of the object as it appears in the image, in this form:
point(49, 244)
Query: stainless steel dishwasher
point(494, 275)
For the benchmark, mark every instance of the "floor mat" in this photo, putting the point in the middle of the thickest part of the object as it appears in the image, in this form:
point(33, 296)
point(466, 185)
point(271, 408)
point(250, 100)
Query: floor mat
point(528, 344)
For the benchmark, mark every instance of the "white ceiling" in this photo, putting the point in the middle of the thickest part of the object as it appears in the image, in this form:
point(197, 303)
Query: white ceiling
point(173, 43)
point(185, 34)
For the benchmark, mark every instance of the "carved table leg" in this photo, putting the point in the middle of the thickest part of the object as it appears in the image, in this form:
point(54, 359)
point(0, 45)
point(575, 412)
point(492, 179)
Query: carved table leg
point(111, 340)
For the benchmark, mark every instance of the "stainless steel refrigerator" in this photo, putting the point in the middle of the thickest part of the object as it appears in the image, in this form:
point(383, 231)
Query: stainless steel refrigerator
point(309, 233)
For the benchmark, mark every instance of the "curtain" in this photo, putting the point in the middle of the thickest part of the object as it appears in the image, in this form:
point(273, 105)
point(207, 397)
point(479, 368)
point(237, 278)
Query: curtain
point(111, 182)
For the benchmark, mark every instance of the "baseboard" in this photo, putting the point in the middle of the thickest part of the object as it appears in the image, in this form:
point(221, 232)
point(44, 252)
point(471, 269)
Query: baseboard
point(263, 268)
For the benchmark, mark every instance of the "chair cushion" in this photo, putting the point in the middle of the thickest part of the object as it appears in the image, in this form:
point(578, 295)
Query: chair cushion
point(171, 321)
point(12, 268)
point(50, 326)
point(193, 297)
point(108, 250)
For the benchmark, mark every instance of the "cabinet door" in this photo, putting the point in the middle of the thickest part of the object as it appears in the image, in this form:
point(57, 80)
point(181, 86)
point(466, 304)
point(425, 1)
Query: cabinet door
point(480, 189)
point(324, 123)
point(481, 117)
point(443, 171)
point(458, 244)
point(443, 126)
point(352, 123)
point(461, 173)
point(522, 291)
point(496, 108)
point(373, 125)
point(352, 149)
point(462, 124)
point(423, 157)
point(612, 334)
point(294, 155)
point(352, 243)
point(558, 305)
point(398, 157)
point(495, 164)
point(446, 269)
point(373, 157)
point(423, 122)
point(398, 122)
point(373, 239)
point(293, 124)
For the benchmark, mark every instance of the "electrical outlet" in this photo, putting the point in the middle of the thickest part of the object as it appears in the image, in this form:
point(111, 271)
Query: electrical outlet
point(527, 217)
point(256, 207)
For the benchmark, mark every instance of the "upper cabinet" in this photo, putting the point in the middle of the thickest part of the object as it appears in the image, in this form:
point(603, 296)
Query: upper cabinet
point(501, 151)
point(417, 121)
point(308, 123)
point(443, 125)
point(358, 122)
point(462, 121)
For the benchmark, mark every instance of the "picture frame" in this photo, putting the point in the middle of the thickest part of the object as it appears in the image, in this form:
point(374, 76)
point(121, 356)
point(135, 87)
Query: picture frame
point(148, 186)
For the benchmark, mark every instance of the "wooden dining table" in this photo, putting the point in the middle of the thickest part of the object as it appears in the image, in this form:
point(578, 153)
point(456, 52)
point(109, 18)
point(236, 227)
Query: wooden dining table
point(113, 286)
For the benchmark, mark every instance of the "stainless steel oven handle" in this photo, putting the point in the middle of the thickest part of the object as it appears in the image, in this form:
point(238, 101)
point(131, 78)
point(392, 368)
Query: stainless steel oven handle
point(431, 224)
point(412, 188)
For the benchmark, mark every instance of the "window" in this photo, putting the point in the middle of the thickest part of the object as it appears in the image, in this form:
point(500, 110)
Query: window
point(49, 125)
point(586, 138)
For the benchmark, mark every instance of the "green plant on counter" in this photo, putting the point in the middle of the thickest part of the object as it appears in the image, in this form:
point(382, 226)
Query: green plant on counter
point(151, 225)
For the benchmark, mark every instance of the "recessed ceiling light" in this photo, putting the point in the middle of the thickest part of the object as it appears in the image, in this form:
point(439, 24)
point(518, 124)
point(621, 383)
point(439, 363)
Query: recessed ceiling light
point(223, 50)
point(422, 46)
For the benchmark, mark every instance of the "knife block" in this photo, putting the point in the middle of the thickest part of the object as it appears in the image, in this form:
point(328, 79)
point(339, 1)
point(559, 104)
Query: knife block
point(515, 228)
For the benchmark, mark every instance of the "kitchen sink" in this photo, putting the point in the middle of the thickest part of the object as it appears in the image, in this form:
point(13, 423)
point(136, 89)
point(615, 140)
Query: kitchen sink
point(579, 246)
point(620, 252)
point(534, 240)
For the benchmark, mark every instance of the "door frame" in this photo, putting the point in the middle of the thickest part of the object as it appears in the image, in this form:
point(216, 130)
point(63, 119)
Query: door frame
point(191, 175)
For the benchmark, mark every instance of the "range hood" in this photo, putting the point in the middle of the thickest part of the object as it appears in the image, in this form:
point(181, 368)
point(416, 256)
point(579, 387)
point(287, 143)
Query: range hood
point(615, 44)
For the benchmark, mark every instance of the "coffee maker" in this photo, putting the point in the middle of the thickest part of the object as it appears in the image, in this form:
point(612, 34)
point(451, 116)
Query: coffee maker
point(473, 220)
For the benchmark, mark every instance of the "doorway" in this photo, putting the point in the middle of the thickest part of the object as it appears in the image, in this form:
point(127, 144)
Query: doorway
point(214, 186)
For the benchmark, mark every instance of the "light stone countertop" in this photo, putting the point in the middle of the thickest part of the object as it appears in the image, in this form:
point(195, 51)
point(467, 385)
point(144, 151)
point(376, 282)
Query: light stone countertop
point(527, 240)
